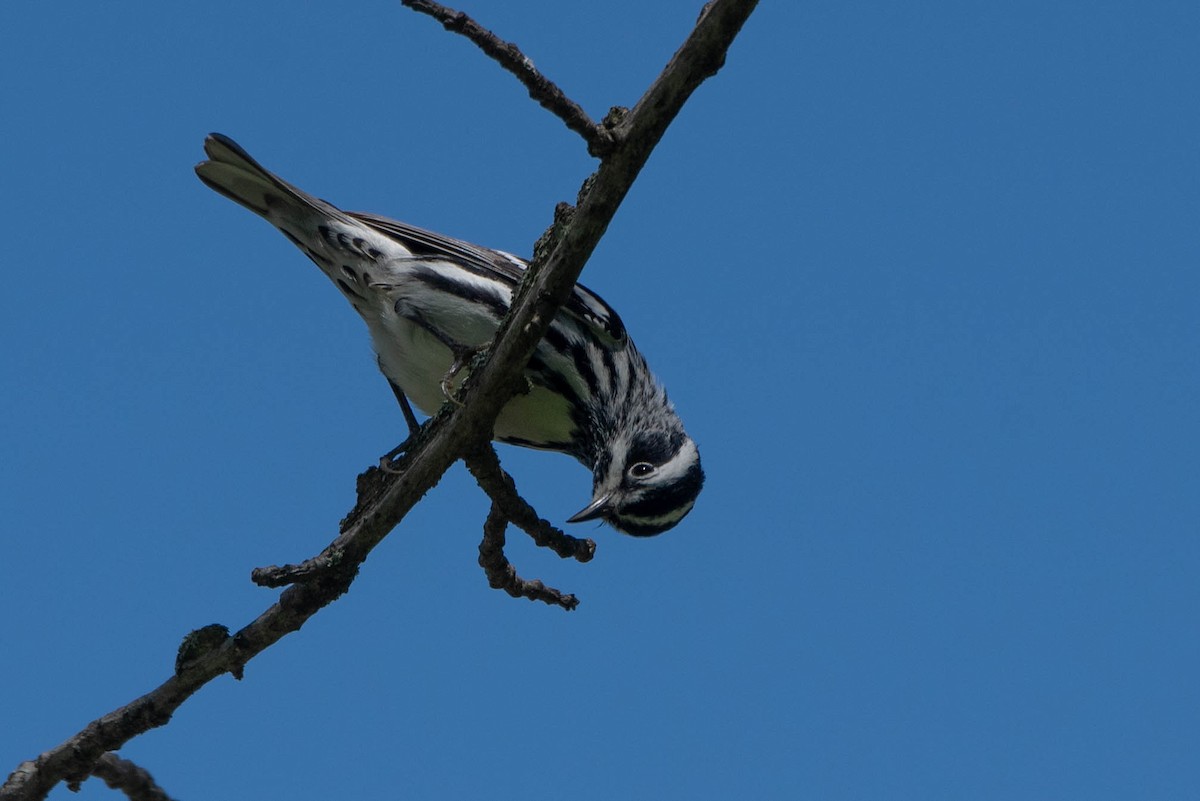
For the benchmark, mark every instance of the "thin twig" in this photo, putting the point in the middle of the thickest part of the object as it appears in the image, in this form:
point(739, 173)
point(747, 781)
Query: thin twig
point(484, 465)
point(503, 576)
point(509, 56)
point(121, 774)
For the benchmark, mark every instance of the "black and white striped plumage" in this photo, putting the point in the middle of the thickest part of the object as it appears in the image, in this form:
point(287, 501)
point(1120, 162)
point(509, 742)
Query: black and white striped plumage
point(427, 299)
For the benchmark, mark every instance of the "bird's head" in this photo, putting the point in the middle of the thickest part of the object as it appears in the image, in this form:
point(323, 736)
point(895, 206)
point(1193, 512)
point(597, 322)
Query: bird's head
point(645, 482)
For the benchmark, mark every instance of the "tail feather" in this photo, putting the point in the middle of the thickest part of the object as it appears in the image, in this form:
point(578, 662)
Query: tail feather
point(234, 173)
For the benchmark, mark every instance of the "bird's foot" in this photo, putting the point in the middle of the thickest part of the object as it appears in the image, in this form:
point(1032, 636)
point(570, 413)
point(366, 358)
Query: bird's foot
point(388, 462)
point(463, 354)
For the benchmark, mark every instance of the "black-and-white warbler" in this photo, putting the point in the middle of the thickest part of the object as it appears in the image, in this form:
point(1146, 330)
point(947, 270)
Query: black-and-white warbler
point(429, 301)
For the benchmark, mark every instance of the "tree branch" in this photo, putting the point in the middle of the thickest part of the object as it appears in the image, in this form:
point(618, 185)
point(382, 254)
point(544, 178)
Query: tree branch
point(508, 506)
point(121, 774)
point(500, 487)
point(455, 432)
point(503, 576)
point(510, 57)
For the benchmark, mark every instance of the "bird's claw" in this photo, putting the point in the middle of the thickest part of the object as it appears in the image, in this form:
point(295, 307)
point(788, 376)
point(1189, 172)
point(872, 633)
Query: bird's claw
point(387, 462)
point(463, 355)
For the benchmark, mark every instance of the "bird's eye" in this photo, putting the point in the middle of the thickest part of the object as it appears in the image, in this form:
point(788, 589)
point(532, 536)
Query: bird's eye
point(641, 469)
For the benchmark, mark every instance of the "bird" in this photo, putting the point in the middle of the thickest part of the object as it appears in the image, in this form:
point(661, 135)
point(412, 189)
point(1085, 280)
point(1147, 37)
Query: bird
point(430, 301)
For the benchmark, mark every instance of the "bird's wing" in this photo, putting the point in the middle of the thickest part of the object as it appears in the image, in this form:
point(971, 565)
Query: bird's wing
point(583, 304)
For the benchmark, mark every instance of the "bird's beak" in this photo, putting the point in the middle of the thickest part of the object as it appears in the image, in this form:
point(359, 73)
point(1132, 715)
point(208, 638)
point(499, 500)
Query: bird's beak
point(593, 510)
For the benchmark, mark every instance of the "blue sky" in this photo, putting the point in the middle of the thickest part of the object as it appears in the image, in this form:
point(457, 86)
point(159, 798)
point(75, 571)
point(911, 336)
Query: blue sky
point(923, 280)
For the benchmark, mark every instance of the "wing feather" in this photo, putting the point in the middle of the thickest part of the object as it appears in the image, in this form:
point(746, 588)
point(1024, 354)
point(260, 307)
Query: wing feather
point(583, 304)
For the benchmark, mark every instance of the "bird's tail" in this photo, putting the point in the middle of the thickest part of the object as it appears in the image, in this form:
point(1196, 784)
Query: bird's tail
point(234, 173)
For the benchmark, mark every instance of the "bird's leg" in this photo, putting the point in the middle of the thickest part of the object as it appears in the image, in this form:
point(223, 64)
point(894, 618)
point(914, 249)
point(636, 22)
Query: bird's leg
point(388, 459)
point(463, 354)
point(406, 410)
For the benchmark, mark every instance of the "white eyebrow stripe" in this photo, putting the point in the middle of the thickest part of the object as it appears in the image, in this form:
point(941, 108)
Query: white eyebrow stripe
point(679, 464)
